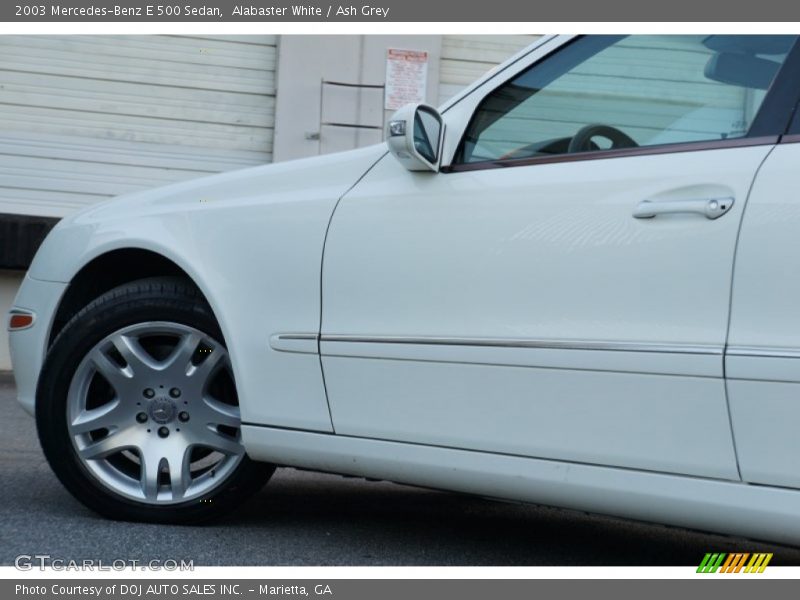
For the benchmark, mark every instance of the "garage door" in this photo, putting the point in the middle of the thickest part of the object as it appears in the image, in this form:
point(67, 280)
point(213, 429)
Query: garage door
point(84, 118)
point(466, 57)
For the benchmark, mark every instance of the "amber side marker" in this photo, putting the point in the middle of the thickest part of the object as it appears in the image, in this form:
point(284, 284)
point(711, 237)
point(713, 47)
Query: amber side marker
point(18, 320)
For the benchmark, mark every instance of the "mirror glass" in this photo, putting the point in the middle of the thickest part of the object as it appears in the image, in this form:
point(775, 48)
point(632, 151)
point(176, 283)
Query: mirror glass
point(427, 127)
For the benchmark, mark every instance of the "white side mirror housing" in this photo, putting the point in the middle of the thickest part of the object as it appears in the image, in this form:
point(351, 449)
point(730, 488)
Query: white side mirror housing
point(415, 134)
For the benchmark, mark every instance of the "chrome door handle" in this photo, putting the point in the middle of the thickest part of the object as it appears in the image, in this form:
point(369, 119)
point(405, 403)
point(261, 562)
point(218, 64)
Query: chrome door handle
point(712, 208)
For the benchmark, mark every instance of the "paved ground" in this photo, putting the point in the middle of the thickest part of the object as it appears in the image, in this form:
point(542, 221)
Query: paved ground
point(305, 518)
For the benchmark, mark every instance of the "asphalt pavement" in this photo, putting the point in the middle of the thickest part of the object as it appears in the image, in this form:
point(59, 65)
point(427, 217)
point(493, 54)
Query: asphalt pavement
point(303, 518)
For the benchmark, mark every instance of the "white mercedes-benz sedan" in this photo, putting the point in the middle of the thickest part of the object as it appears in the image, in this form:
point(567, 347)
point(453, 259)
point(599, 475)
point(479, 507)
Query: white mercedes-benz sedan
point(574, 284)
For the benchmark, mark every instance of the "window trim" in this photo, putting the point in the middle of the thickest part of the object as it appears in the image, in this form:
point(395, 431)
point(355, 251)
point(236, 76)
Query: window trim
point(655, 149)
point(788, 92)
point(769, 126)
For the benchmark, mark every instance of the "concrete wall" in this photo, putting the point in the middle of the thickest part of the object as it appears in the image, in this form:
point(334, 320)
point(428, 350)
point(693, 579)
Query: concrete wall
point(303, 61)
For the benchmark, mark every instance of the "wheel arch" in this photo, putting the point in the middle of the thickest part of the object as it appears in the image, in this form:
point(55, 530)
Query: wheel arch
point(109, 270)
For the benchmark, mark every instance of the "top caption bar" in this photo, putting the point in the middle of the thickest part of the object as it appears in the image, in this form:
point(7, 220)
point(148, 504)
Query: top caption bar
point(88, 11)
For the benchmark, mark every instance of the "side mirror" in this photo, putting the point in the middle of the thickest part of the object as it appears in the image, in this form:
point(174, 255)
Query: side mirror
point(742, 70)
point(415, 135)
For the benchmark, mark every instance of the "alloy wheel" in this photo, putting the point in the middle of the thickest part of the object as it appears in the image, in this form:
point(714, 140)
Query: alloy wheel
point(153, 415)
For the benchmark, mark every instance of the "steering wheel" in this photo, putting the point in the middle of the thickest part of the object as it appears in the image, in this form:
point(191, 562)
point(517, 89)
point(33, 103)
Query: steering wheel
point(582, 141)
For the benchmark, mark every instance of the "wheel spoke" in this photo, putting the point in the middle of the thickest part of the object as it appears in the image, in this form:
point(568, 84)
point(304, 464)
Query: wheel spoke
point(220, 442)
point(118, 377)
point(202, 372)
point(137, 357)
point(214, 412)
point(107, 416)
point(179, 472)
point(115, 441)
point(179, 362)
point(149, 474)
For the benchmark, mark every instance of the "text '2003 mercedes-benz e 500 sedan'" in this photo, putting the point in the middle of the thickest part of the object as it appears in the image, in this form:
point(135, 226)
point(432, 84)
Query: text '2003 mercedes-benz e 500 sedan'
point(573, 284)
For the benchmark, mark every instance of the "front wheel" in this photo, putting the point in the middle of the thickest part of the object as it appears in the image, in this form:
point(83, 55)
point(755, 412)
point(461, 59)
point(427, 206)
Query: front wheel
point(137, 411)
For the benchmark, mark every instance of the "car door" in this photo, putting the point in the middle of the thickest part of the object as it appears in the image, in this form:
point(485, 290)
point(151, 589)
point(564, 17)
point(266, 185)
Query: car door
point(763, 357)
point(561, 289)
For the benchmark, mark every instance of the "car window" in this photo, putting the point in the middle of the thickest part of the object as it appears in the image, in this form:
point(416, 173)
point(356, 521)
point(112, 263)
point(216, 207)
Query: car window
point(611, 92)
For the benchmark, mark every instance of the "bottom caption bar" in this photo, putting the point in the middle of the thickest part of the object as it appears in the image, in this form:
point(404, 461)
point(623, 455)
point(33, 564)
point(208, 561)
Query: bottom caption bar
point(384, 589)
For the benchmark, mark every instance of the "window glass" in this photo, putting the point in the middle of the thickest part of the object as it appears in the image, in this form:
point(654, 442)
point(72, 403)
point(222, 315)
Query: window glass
point(609, 92)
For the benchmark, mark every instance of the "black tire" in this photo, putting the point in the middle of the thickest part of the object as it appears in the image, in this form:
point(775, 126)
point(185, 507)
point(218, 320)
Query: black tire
point(168, 299)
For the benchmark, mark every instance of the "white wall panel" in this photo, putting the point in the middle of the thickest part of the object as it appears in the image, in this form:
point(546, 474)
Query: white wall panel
point(467, 57)
point(84, 118)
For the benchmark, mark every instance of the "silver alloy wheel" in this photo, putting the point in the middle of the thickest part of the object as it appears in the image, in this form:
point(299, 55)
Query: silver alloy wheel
point(151, 416)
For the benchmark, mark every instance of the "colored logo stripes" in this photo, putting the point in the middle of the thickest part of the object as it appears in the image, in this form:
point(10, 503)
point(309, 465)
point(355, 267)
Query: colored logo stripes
point(734, 563)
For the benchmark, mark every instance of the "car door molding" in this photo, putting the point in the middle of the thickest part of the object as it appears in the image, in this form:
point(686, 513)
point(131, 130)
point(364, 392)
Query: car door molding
point(619, 357)
point(300, 343)
point(528, 343)
point(763, 352)
point(763, 363)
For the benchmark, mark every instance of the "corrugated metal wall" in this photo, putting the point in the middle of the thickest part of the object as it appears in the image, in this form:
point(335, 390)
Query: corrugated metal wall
point(84, 118)
point(467, 57)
